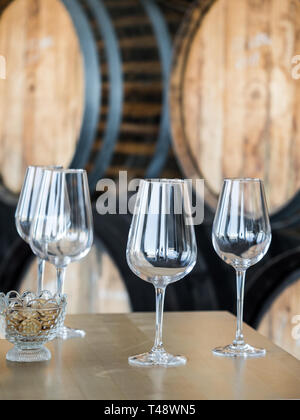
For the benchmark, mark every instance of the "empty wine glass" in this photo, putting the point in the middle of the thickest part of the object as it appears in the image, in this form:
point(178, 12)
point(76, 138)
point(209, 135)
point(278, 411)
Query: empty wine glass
point(62, 229)
point(241, 237)
point(26, 209)
point(161, 249)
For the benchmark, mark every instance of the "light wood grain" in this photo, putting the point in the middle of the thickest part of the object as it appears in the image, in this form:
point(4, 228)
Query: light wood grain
point(96, 367)
point(234, 102)
point(278, 323)
point(42, 99)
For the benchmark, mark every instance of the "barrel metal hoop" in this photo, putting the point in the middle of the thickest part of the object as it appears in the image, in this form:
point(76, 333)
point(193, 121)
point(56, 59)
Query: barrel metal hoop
point(268, 283)
point(116, 95)
point(92, 83)
point(164, 43)
point(267, 304)
point(288, 216)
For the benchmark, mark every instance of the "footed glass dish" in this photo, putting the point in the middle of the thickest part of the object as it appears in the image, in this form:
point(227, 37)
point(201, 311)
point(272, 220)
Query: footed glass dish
point(30, 321)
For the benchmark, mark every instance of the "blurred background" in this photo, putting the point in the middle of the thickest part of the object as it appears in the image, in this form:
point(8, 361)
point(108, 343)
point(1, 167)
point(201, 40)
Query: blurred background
point(158, 88)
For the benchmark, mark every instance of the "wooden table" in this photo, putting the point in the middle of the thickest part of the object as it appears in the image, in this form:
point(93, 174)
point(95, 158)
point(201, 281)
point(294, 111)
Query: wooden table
point(96, 367)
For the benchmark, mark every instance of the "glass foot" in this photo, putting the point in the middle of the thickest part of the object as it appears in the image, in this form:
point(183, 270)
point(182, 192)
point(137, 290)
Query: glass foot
point(41, 354)
point(66, 333)
point(156, 359)
point(239, 351)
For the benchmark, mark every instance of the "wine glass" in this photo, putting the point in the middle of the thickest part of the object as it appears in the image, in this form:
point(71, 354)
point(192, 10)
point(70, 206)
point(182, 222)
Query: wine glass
point(62, 229)
point(161, 249)
point(241, 237)
point(26, 209)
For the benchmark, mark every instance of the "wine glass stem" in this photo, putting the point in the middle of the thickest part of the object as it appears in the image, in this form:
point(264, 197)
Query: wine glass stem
point(61, 273)
point(240, 284)
point(41, 267)
point(160, 298)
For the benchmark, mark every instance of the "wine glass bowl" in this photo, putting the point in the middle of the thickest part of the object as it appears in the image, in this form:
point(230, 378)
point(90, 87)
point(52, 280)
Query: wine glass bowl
point(26, 209)
point(62, 229)
point(241, 231)
point(28, 199)
point(164, 266)
point(241, 237)
point(161, 250)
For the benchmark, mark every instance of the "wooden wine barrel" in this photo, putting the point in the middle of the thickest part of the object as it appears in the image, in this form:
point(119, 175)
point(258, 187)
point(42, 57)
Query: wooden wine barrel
point(281, 322)
point(272, 301)
point(50, 99)
point(86, 86)
point(234, 102)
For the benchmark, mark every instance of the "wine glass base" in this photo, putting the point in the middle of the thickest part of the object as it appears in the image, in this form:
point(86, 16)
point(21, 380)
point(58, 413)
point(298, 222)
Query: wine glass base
point(41, 354)
point(156, 359)
point(239, 351)
point(66, 333)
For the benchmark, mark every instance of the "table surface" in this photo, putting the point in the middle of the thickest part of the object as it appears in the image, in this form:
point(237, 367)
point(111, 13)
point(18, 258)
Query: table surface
point(96, 367)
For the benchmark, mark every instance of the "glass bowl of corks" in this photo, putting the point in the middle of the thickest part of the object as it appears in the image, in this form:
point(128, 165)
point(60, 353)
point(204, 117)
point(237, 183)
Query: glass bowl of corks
point(29, 322)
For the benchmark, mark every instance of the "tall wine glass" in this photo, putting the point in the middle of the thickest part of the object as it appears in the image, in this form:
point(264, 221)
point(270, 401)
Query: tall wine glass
point(161, 249)
point(62, 229)
point(26, 209)
point(241, 237)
